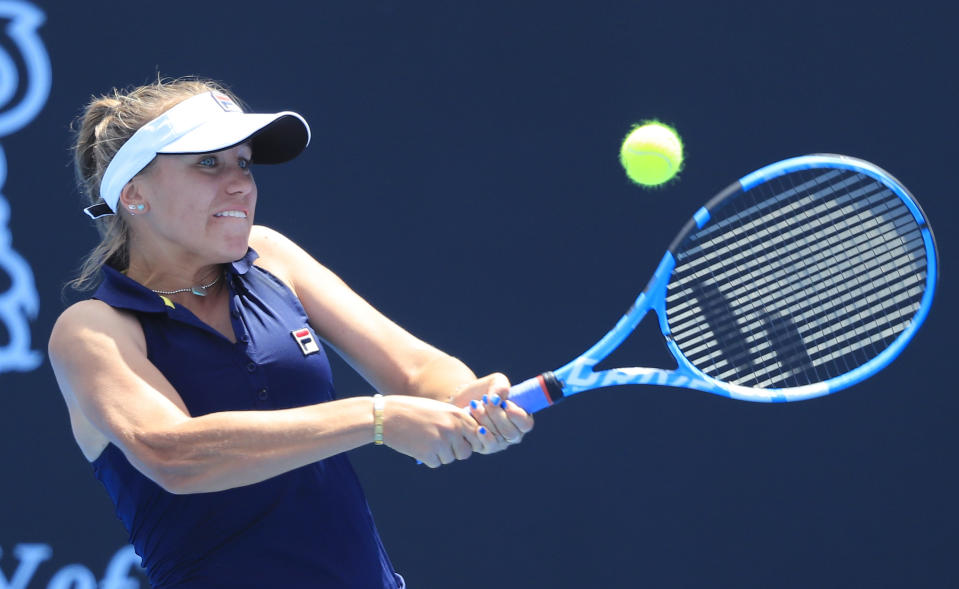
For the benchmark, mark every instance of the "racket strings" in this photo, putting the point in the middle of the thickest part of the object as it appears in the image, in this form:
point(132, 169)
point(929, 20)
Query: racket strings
point(835, 326)
point(835, 277)
point(864, 334)
point(780, 206)
point(798, 280)
point(853, 323)
point(860, 333)
point(777, 270)
point(842, 321)
point(838, 282)
point(794, 223)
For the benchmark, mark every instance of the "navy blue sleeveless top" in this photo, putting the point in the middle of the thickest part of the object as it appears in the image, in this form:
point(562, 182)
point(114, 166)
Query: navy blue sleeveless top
point(310, 527)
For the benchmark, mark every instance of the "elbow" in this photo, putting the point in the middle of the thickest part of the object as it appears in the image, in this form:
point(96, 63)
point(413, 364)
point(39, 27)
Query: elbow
point(171, 466)
point(172, 485)
point(426, 364)
point(174, 481)
point(436, 376)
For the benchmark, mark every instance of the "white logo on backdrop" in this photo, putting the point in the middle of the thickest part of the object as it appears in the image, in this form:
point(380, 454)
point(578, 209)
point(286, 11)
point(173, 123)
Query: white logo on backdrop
point(30, 557)
point(20, 102)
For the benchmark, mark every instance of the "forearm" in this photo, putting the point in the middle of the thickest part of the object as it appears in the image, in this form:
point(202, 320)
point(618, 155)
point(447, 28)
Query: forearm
point(235, 448)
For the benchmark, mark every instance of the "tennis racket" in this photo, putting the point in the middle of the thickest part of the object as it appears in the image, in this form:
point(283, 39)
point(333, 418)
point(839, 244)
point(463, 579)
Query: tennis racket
point(799, 280)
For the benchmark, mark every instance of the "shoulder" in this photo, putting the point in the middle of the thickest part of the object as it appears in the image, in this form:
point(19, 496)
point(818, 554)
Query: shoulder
point(266, 238)
point(83, 315)
point(276, 251)
point(86, 322)
point(282, 257)
point(320, 290)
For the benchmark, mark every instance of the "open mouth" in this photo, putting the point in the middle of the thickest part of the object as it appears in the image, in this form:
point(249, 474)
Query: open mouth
point(235, 214)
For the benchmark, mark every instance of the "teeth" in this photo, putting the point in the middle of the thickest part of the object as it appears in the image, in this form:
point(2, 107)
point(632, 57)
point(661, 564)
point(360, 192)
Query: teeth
point(237, 214)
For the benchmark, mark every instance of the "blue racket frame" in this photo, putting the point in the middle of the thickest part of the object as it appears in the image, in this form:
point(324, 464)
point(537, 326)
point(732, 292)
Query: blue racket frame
point(577, 376)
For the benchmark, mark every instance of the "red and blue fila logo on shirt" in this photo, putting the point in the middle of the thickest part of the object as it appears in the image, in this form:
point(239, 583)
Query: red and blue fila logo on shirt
point(306, 341)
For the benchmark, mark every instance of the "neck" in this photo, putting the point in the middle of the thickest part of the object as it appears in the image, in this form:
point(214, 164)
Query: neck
point(160, 265)
point(172, 278)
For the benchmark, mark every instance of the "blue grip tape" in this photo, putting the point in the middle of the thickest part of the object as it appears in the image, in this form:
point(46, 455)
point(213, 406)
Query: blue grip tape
point(529, 395)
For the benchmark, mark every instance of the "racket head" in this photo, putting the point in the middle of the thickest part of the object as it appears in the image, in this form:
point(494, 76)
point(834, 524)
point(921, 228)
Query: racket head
point(799, 280)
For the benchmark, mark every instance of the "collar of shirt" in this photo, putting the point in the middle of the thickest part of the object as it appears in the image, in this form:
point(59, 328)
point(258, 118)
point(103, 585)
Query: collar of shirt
point(120, 291)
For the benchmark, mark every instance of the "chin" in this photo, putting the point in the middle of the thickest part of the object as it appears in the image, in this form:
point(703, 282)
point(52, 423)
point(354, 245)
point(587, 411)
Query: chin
point(224, 253)
point(235, 252)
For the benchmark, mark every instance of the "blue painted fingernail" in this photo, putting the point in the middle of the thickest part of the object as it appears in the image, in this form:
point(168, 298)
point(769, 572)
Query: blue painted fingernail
point(494, 399)
point(474, 404)
point(482, 431)
point(485, 400)
point(503, 404)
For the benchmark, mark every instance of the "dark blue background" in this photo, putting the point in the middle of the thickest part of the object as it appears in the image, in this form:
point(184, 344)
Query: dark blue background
point(463, 177)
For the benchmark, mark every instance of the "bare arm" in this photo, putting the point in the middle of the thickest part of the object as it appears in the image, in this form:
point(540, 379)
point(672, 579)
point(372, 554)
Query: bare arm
point(116, 395)
point(389, 357)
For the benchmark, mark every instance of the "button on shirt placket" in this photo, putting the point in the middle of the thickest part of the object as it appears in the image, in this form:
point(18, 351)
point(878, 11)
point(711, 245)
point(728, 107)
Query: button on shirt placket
point(258, 380)
point(258, 383)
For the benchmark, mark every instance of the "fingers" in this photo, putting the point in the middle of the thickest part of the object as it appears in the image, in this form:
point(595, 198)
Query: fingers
point(462, 448)
point(506, 421)
point(433, 432)
point(448, 454)
point(460, 441)
point(490, 425)
point(491, 384)
point(496, 408)
point(471, 437)
point(522, 420)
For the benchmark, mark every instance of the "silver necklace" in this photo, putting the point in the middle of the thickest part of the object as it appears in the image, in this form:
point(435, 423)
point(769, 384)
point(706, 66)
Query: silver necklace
point(199, 290)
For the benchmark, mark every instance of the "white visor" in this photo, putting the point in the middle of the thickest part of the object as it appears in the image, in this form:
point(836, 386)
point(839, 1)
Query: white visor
point(201, 124)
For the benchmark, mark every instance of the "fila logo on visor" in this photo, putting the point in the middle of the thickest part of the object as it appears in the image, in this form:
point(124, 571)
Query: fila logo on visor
point(306, 341)
point(225, 102)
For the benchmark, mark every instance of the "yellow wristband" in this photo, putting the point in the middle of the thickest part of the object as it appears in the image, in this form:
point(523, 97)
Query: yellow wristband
point(378, 403)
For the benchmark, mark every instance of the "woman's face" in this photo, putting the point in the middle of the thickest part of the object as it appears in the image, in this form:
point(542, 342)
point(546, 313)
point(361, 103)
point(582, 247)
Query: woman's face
point(202, 203)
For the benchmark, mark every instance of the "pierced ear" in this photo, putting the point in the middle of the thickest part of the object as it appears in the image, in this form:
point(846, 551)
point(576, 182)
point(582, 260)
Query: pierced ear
point(131, 200)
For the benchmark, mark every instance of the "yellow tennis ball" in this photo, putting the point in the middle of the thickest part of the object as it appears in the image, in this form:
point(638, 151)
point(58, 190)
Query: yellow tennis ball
point(651, 154)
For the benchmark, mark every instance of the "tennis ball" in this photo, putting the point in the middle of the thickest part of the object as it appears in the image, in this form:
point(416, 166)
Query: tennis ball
point(651, 154)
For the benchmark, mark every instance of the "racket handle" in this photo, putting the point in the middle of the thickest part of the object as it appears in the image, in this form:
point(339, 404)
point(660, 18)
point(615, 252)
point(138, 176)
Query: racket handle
point(536, 393)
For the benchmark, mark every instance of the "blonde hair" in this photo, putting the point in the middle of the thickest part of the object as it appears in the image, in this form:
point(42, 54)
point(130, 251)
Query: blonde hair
point(106, 123)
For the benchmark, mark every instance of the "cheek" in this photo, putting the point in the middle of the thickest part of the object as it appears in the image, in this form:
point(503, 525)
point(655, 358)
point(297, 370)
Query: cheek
point(188, 203)
point(165, 195)
point(188, 215)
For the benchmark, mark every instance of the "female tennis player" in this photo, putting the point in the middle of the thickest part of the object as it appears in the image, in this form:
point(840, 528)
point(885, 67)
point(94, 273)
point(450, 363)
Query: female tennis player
point(194, 377)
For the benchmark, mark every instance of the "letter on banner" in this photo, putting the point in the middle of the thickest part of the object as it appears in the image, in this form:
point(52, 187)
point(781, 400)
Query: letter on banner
point(20, 102)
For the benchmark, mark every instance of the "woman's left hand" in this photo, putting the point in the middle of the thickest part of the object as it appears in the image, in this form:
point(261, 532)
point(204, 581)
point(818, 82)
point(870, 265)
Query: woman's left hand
point(487, 401)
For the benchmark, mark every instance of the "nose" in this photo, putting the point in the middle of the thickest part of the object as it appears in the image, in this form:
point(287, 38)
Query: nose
point(240, 181)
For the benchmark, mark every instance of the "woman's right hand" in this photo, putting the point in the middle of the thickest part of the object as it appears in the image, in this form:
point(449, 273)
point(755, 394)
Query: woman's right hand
point(433, 432)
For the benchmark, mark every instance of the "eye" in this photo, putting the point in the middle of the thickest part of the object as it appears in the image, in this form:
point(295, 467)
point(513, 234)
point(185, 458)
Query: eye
point(244, 163)
point(208, 162)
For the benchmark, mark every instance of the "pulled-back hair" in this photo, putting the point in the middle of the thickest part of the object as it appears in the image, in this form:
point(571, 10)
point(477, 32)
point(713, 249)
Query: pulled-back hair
point(106, 123)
